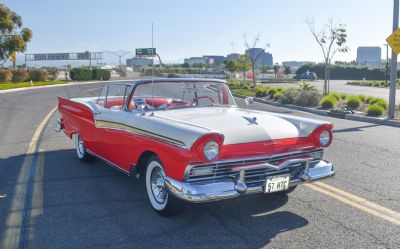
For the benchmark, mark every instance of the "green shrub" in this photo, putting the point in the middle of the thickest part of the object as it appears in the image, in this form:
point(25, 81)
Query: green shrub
point(245, 86)
point(335, 95)
point(369, 99)
point(278, 95)
point(100, 74)
point(37, 75)
point(376, 84)
point(279, 89)
point(375, 110)
point(380, 102)
point(288, 96)
point(353, 102)
point(234, 85)
point(362, 97)
point(80, 74)
point(20, 75)
point(272, 92)
point(328, 102)
point(261, 91)
point(307, 98)
point(5, 75)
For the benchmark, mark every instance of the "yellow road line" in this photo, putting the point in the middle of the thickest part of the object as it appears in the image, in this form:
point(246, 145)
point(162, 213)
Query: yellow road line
point(3, 196)
point(351, 202)
point(359, 199)
point(11, 236)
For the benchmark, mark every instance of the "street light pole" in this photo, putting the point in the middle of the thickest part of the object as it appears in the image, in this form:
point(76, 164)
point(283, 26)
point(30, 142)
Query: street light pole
point(387, 63)
point(393, 72)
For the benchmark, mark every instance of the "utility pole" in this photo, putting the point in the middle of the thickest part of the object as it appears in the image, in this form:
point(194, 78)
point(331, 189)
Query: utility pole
point(393, 72)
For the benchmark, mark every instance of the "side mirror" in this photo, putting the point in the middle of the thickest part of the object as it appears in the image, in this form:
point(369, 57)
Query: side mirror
point(249, 102)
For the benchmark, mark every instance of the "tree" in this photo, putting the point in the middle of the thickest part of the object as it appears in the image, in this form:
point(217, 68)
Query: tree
point(332, 39)
point(243, 64)
point(287, 70)
point(231, 66)
point(264, 69)
point(276, 68)
point(13, 37)
point(255, 56)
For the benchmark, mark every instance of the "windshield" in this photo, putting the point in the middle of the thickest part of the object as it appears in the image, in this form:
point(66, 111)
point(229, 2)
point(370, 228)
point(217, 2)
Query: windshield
point(166, 95)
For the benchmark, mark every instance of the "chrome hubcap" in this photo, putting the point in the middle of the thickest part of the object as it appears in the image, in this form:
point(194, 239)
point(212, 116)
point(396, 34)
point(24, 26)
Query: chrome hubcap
point(158, 186)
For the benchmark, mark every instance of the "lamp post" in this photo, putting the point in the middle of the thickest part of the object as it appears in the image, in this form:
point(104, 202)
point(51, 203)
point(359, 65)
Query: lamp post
point(119, 56)
point(387, 63)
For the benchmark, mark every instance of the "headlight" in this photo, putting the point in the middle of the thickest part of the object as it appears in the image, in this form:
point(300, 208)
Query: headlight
point(324, 138)
point(211, 150)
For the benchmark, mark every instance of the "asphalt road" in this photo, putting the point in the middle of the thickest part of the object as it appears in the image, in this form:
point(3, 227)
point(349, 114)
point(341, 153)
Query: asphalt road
point(71, 204)
point(341, 87)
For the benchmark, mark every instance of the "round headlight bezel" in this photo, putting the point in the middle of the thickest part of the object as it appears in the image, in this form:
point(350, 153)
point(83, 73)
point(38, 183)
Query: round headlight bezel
point(211, 150)
point(325, 138)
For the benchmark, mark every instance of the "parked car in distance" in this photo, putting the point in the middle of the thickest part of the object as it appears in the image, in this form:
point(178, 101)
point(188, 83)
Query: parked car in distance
point(192, 143)
point(305, 76)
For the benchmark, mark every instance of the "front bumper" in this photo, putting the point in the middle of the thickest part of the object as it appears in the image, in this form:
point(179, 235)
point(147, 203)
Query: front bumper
point(207, 191)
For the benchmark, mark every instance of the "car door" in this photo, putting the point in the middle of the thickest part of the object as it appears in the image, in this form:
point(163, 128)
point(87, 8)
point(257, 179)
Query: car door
point(110, 120)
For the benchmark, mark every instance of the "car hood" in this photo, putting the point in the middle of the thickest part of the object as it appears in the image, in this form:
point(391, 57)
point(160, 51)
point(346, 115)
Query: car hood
point(242, 125)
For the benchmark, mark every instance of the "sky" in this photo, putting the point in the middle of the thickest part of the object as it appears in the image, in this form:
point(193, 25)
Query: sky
point(184, 28)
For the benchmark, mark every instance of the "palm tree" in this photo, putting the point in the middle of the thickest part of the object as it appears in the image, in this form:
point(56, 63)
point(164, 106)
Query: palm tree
point(304, 86)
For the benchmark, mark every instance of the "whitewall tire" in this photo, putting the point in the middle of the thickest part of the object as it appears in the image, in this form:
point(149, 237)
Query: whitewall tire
point(81, 149)
point(160, 200)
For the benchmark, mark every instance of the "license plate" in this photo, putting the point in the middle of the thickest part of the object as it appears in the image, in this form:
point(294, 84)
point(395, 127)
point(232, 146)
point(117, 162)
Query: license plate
point(277, 183)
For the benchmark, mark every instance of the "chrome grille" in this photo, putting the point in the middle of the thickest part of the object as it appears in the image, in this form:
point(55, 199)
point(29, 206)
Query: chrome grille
point(253, 177)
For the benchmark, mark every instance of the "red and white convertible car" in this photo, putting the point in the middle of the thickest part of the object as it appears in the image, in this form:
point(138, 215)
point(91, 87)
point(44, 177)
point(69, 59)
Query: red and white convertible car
point(192, 143)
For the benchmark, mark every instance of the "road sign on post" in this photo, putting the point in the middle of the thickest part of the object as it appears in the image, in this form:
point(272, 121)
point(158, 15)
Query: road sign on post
point(394, 41)
point(145, 52)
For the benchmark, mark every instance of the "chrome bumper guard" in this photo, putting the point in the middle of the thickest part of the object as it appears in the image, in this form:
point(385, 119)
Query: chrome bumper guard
point(207, 191)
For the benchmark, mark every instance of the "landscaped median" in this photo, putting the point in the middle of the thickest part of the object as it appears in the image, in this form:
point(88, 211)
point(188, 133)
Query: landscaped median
point(381, 84)
point(21, 78)
point(12, 85)
point(306, 97)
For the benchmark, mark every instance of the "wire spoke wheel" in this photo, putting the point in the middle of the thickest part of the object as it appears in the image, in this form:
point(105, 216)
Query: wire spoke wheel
point(158, 186)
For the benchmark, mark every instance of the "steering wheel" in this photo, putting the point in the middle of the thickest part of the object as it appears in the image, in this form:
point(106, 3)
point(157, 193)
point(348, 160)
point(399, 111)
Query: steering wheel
point(196, 100)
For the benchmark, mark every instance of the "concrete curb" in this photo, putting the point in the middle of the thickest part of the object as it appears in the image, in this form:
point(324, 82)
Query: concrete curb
point(353, 117)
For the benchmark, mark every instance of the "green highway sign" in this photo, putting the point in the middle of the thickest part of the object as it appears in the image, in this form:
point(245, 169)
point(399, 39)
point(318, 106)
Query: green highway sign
point(143, 52)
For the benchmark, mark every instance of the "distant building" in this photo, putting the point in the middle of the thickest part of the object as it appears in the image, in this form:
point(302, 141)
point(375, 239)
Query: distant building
point(199, 60)
point(261, 57)
point(296, 64)
point(369, 56)
point(218, 59)
point(232, 57)
point(138, 62)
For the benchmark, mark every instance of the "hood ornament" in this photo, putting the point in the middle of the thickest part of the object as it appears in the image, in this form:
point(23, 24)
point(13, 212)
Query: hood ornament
point(252, 120)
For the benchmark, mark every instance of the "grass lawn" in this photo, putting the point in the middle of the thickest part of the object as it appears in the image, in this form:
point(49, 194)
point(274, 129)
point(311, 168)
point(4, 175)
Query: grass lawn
point(11, 85)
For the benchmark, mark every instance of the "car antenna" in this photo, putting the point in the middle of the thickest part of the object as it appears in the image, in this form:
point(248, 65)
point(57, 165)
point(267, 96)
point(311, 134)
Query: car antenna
point(152, 73)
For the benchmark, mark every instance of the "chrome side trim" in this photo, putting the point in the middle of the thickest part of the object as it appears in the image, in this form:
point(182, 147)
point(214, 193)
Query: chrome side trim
point(140, 132)
point(207, 191)
point(108, 162)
